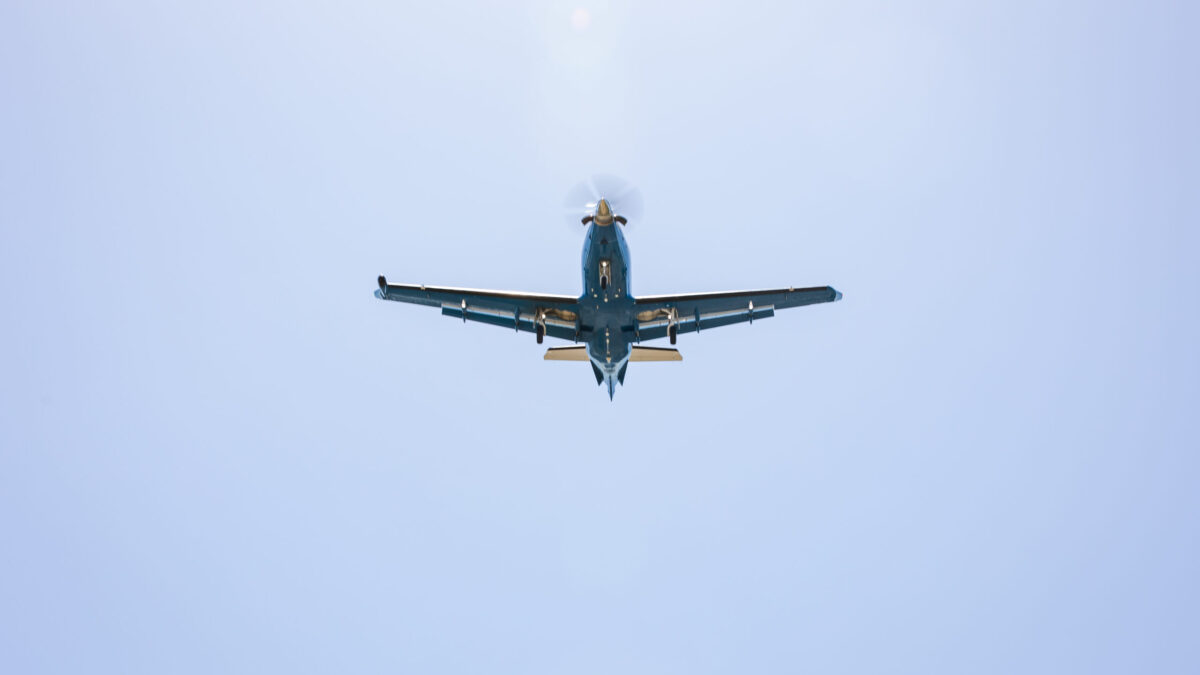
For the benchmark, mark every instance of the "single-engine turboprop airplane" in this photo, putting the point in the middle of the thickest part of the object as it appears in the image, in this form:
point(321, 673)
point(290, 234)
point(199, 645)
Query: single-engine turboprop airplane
point(607, 323)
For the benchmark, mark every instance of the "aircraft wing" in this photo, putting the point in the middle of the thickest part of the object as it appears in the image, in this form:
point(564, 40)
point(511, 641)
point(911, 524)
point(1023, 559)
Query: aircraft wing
point(694, 312)
point(509, 309)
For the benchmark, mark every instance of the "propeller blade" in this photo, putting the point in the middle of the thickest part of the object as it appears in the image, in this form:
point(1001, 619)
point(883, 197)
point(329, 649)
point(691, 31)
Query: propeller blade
point(580, 202)
point(624, 198)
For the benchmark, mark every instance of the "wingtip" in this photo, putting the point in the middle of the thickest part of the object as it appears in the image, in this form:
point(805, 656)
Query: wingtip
point(837, 295)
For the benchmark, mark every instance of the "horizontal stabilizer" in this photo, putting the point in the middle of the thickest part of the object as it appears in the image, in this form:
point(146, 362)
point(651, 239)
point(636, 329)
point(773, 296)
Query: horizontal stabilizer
point(655, 354)
point(567, 353)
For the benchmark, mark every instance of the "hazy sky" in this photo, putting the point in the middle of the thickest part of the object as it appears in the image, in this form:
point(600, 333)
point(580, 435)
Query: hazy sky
point(220, 454)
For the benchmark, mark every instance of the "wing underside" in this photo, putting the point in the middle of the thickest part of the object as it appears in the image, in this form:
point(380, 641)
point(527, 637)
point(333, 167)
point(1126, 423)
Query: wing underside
point(695, 312)
point(654, 316)
point(508, 309)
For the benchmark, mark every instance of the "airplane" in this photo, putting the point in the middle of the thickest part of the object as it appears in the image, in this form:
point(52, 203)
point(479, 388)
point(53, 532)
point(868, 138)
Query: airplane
point(606, 322)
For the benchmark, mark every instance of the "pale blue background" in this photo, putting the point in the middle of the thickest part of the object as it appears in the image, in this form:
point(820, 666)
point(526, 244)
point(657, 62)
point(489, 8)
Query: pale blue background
point(220, 454)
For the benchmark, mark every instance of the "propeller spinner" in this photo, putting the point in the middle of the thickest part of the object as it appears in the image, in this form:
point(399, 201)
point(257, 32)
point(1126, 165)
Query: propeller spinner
point(604, 215)
point(605, 200)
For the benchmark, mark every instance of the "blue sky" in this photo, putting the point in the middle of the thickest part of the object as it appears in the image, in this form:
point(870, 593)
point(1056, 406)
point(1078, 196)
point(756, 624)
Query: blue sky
point(219, 453)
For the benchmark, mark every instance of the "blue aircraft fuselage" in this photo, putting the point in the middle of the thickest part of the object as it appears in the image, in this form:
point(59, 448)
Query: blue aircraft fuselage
point(606, 303)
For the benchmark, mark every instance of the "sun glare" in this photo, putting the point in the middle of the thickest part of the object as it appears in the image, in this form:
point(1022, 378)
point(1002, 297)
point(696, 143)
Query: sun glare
point(581, 19)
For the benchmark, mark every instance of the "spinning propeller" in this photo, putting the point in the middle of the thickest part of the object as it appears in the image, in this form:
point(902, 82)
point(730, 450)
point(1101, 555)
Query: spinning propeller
point(603, 199)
